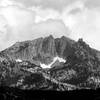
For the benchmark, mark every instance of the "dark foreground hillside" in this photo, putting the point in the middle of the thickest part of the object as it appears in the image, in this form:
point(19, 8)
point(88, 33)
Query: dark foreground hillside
point(7, 93)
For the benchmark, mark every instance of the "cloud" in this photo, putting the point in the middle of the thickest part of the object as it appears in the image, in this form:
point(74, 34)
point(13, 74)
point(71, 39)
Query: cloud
point(73, 18)
point(55, 27)
point(92, 3)
point(84, 23)
point(58, 4)
point(45, 14)
point(3, 30)
point(23, 26)
point(5, 3)
point(55, 4)
point(17, 24)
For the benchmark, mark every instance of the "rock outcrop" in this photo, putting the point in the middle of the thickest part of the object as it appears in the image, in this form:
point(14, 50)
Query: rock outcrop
point(39, 50)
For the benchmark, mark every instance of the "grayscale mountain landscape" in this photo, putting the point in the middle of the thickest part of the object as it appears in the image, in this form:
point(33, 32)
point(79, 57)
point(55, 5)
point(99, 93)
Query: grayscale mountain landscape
point(49, 48)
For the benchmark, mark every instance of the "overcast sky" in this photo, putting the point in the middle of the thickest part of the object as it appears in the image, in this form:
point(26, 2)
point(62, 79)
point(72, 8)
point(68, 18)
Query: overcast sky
point(29, 19)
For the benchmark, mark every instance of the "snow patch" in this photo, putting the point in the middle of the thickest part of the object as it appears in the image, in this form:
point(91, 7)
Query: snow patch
point(54, 60)
point(18, 60)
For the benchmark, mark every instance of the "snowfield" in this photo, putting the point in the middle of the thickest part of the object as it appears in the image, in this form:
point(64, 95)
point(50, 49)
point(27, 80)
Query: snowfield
point(54, 60)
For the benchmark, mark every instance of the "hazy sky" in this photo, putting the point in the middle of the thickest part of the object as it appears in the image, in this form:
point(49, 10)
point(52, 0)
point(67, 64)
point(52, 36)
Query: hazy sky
point(29, 19)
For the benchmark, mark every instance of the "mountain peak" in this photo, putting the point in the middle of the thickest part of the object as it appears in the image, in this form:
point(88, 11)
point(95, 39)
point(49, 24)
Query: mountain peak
point(42, 49)
point(50, 36)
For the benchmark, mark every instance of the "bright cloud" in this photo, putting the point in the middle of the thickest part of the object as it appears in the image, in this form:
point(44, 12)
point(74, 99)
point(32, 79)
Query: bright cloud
point(55, 4)
point(55, 27)
point(45, 14)
point(23, 24)
point(3, 30)
point(84, 23)
point(18, 24)
point(5, 3)
point(23, 20)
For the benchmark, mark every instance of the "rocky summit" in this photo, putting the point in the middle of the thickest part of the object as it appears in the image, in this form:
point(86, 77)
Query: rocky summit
point(72, 65)
point(39, 50)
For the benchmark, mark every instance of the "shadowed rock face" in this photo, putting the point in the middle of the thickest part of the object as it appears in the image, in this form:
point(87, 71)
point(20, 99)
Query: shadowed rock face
point(64, 46)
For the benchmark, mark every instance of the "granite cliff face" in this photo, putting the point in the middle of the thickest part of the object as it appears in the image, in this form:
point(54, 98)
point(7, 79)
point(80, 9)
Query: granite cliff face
point(39, 50)
point(80, 70)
